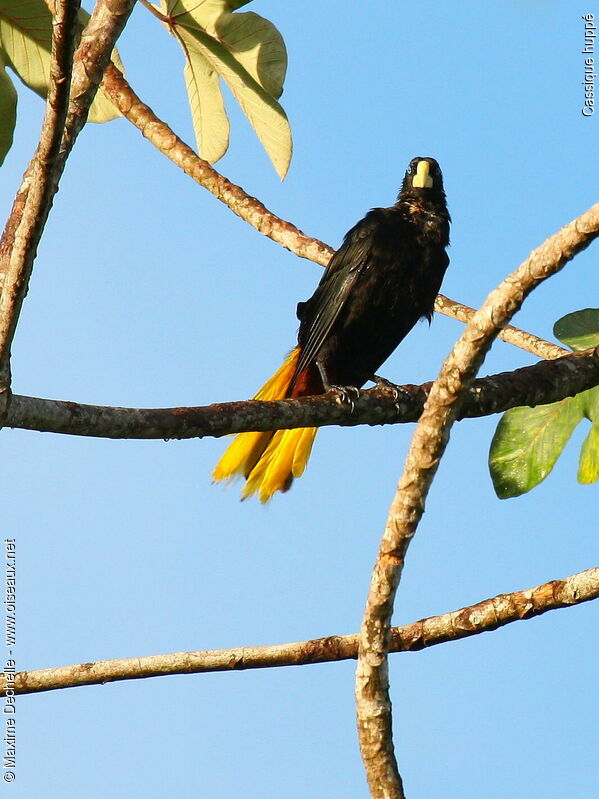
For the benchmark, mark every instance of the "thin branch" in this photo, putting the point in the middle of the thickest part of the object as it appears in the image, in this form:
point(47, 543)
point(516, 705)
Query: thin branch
point(74, 80)
point(33, 201)
point(545, 382)
point(256, 214)
point(92, 56)
point(169, 144)
point(483, 617)
point(510, 334)
point(428, 444)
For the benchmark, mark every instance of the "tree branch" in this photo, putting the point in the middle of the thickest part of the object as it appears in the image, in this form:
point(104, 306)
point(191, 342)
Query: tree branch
point(373, 703)
point(545, 382)
point(169, 144)
point(74, 80)
point(33, 201)
point(256, 214)
point(510, 334)
point(92, 56)
point(473, 620)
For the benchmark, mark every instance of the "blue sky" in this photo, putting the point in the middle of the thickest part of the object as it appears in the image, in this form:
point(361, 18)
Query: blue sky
point(148, 292)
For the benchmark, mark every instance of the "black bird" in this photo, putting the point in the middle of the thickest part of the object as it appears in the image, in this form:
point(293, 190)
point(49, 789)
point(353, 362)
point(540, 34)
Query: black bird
point(379, 283)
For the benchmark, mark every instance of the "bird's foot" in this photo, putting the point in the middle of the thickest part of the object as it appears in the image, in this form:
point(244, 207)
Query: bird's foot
point(346, 395)
point(398, 391)
point(382, 381)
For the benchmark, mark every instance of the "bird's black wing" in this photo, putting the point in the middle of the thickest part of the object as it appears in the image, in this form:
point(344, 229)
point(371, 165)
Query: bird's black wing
point(319, 313)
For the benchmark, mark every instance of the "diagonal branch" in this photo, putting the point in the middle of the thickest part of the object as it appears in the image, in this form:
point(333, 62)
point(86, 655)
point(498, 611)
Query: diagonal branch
point(428, 444)
point(510, 334)
point(98, 39)
point(74, 80)
point(33, 201)
point(169, 144)
point(483, 617)
point(545, 382)
point(256, 214)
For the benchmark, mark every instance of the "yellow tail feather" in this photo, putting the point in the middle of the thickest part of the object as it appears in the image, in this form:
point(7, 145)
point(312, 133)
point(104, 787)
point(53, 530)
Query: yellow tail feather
point(284, 458)
point(270, 460)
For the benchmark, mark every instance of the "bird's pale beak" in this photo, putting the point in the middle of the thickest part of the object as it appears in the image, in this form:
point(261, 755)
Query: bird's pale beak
point(422, 178)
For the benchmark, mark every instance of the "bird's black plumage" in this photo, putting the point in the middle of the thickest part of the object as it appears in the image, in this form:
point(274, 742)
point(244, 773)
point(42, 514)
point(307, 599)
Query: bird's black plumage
point(381, 281)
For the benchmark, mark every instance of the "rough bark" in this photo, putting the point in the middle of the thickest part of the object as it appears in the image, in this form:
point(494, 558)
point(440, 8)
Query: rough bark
point(481, 617)
point(547, 381)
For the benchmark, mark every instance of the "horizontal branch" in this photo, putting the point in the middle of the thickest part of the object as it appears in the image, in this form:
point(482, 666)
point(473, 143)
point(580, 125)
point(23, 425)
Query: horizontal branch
point(482, 617)
point(542, 383)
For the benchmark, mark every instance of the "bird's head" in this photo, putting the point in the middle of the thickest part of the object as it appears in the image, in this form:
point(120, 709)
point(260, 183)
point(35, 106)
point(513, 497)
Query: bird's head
point(422, 175)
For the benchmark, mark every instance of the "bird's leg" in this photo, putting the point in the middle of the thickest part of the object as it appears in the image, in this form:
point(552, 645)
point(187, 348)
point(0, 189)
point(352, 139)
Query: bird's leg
point(347, 394)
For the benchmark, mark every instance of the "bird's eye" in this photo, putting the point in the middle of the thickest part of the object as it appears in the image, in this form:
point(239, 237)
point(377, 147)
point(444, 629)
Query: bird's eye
point(409, 170)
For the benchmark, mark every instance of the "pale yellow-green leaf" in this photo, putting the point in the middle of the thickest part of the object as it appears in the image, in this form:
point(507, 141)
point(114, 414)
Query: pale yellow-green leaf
point(210, 121)
point(204, 12)
point(26, 37)
point(258, 46)
point(588, 465)
point(252, 40)
point(8, 111)
point(26, 34)
point(263, 112)
point(248, 53)
point(589, 401)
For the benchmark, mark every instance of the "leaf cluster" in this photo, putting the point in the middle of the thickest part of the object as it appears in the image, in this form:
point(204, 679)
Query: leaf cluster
point(528, 441)
point(242, 50)
point(247, 53)
point(25, 48)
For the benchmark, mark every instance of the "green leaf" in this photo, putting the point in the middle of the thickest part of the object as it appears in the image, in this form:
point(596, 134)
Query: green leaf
point(26, 37)
point(233, 4)
point(210, 121)
point(527, 443)
point(579, 330)
point(258, 46)
point(248, 53)
point(588, 465)
point(589, 402)
point(8, 111)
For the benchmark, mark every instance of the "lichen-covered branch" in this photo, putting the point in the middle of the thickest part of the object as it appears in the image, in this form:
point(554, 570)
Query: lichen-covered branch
point(510, 334)
point(546, 381)
point(74, 80)
point(483, 617)
point(428, 444)
point(92, 56)
point(33, 201)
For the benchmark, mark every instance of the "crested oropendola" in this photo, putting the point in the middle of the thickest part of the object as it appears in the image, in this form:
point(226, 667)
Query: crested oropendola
point(379, 283)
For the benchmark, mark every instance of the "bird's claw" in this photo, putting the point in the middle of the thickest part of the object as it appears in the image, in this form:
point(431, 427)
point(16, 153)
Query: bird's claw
point(347, 395)
point(398, 391)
